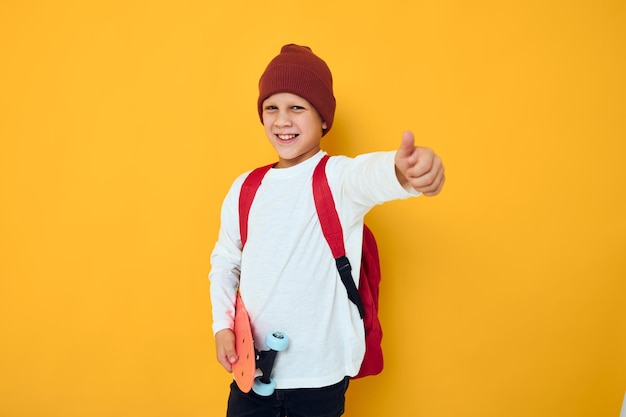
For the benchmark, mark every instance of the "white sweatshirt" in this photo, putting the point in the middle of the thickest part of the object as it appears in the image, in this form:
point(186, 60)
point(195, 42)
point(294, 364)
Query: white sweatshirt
point(286, 273)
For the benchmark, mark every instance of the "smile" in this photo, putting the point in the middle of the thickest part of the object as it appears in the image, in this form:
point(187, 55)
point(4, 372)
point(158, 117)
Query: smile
point(287, 137)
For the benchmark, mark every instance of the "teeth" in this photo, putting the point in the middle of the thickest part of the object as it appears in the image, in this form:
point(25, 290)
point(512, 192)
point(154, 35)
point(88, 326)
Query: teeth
point(286, 137)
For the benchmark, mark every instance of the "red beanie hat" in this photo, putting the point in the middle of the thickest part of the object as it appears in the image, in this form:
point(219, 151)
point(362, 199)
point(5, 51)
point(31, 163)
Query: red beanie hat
point(299, 71)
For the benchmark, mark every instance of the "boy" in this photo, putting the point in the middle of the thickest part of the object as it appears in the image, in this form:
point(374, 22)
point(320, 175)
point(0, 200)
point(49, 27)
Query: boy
point(286, 274)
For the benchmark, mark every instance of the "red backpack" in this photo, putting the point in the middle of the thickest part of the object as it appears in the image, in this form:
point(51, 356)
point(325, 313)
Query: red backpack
point(366, 296)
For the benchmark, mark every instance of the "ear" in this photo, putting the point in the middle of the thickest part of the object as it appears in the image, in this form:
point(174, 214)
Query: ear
point(324, 125)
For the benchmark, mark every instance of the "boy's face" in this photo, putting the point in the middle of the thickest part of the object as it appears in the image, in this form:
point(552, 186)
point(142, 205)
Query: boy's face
point(293, 126)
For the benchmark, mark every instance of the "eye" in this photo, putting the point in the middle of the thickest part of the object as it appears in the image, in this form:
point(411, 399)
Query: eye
point(297, 108)
point(270, 107)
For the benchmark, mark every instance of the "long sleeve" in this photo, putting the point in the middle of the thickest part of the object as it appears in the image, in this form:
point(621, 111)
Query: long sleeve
point(226, 262)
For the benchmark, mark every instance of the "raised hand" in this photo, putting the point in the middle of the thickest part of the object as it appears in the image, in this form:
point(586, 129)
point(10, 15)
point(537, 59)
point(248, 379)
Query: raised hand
point(419, 167)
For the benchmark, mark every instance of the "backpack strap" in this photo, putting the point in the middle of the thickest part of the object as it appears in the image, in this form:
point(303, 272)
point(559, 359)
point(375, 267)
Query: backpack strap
point(331, 228)
point(248, 190)
point(326, 212)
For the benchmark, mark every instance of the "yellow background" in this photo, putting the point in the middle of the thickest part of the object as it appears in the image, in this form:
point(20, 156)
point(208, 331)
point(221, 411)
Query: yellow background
point(123, 123)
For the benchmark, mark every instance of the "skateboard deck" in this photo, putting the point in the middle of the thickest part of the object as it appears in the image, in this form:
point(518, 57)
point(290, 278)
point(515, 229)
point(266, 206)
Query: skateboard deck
point(245, 367)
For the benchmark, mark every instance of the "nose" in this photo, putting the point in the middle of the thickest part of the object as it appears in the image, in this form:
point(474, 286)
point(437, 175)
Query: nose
point(282, 119)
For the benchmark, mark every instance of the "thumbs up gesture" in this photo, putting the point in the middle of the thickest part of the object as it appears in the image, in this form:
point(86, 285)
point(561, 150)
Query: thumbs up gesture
point(419, 167)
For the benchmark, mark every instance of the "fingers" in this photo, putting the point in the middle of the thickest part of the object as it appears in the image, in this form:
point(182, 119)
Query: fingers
point(427, 175)
point(225, 347)
point(418, 167)
point(431, 183)
point(424, 161)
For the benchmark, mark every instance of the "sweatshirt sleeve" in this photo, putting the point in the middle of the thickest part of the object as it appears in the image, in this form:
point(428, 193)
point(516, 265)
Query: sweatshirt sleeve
point(226, 262)
point(370, 179)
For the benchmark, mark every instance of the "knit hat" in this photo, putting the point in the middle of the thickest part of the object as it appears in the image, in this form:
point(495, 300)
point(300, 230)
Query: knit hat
point(299, 71)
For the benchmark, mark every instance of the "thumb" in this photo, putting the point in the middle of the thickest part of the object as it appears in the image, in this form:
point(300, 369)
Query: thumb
point(407, 146)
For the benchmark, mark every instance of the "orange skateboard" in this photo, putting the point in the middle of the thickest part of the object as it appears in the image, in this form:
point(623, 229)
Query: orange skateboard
point(250, 359)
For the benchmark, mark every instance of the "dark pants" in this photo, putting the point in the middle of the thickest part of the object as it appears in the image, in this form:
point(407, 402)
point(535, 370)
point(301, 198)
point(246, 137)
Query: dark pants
point(306, 402)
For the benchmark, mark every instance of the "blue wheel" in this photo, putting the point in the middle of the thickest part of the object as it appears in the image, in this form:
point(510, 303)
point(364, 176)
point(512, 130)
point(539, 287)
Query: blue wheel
point(277, 341)
point(263, 389)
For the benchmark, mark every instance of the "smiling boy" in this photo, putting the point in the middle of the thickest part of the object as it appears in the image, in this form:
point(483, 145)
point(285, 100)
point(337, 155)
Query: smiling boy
point(286, 274)
point(293, 127)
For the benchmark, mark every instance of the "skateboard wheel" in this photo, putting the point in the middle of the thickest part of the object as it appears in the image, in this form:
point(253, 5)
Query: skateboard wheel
point(263, 389)
point(277, 341)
